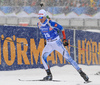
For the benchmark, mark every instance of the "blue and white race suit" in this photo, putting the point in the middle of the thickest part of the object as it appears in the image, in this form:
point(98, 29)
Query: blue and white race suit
point(49, 32)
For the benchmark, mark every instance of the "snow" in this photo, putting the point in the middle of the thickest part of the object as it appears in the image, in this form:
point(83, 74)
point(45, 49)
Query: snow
point(84, 16)
point(22, 14)
point(97, 15)
point(59, 16)
point(66, 74)
point(1, 13)
point(11, 15)
point(33, 15)
point(72, 15)
point(49, 14)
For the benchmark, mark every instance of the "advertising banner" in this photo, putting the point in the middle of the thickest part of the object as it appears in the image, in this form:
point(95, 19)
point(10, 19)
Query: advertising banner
point(21, 48)
point(88, 51)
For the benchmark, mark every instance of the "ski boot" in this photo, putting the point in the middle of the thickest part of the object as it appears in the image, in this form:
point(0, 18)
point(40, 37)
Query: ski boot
point(49, 75)
point(48, 78)
point(83, 75)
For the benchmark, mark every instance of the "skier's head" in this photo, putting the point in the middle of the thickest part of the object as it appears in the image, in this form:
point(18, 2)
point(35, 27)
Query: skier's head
point(42, 15)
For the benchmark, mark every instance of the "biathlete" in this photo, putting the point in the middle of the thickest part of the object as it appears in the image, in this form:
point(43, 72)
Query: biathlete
point(53, 42)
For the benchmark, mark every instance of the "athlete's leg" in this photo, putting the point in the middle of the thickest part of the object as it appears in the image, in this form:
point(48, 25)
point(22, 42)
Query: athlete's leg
point(60, 48)
point(70, 60)
point(46, 51)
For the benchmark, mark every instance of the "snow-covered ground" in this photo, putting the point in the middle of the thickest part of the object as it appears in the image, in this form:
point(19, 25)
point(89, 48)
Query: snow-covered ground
point(66, 74)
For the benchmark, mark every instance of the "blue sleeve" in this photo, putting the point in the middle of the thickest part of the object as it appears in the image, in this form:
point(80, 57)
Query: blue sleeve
point(54, 24)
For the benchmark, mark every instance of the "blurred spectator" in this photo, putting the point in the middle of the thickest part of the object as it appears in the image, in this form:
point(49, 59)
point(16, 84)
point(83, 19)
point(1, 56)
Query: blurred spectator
point(91, 3)
point(82, 3)
point(25, 2)
point(67, 3)
point(65, 6)
point(61, 2)
point(78, 4)
point(50, 2)
point(33, 3)
point(16, 2)
point(98, 3)
point(1, 2)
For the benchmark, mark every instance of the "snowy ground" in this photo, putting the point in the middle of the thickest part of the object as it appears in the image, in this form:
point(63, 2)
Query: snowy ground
point(66, 74)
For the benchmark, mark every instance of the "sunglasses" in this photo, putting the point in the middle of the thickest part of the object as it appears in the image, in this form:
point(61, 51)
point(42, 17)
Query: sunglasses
point(40, 17)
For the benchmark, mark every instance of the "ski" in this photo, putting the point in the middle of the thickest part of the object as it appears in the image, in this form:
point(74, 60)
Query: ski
point(87, 82)
point(42, 80)
point(51, 80)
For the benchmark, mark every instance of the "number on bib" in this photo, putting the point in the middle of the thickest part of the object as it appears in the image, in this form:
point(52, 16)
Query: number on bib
point(46, 35)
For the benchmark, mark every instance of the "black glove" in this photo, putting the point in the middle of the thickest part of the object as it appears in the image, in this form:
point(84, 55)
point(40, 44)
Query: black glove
point(65, 43)
point(44, 42)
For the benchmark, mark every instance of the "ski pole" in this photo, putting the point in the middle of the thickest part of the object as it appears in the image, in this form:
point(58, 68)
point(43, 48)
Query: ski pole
point(82, 49)
point(14, 41)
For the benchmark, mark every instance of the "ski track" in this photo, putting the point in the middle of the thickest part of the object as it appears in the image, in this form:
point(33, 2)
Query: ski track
point(66, 74)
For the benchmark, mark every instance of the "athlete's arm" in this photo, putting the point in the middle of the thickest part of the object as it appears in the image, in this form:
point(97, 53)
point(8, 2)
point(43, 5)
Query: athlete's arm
point(64, 35)
point(54, 24)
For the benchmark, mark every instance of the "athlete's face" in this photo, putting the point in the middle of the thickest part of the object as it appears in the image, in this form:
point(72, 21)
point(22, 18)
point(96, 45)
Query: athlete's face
point(42, 19)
